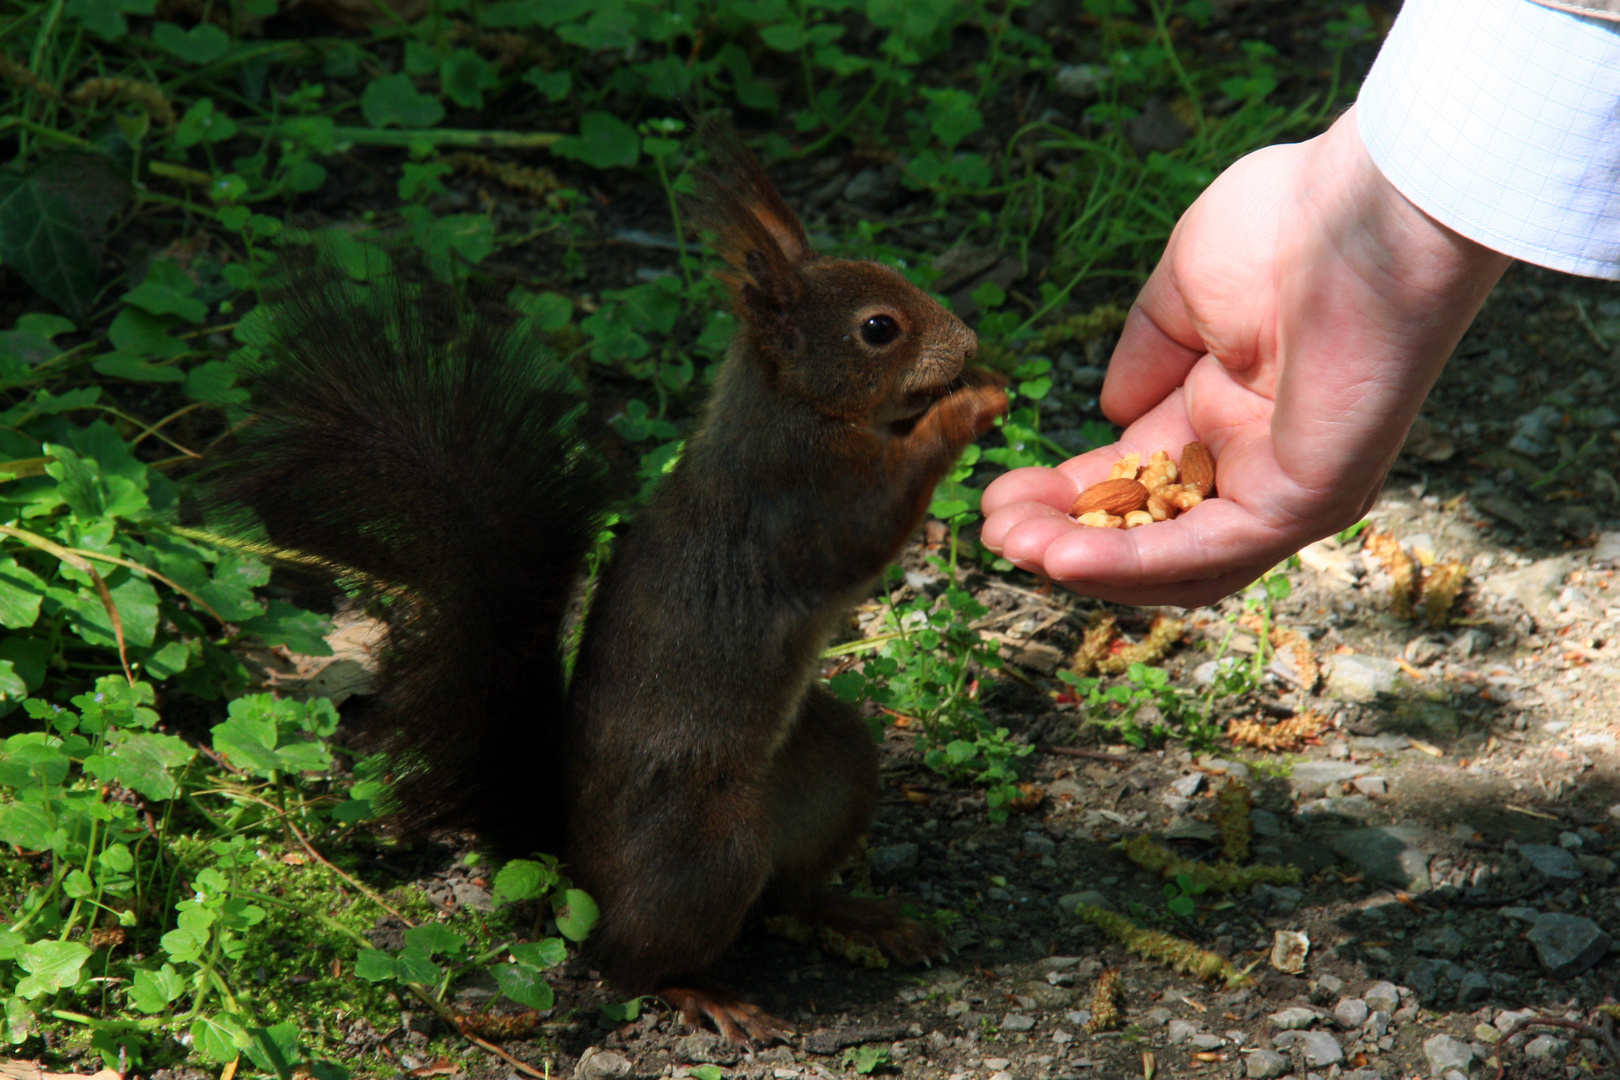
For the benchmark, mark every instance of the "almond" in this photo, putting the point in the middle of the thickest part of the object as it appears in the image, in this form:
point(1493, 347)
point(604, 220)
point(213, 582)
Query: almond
point(1116, 498)
point(1198, 468)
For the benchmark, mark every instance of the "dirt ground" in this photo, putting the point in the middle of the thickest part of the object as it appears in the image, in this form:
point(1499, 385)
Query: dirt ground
point(1456, 819)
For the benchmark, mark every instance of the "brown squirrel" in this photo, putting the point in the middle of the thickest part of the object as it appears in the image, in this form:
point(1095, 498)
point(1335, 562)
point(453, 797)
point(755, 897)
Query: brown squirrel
point(693, 769)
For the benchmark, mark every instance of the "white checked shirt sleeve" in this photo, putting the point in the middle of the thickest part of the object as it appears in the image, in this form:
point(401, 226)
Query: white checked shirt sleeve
point(1501, 120)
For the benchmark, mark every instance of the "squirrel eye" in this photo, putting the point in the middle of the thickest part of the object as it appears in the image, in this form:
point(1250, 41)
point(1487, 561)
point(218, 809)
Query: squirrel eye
point(879, 330)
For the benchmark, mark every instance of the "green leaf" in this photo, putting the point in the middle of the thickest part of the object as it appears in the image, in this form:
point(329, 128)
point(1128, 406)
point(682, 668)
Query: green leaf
point(214, 382)
point(523, 985)
point(275, 1049)
point(540, 954)
point(51, 965)
point(248, 742)
point(184, 945)
point(394, 100)
point(141, 761)
point(604, 141)
point(201, 44)
point(523, 879)
point(219, 1038)
point(785, 37)
point(53, 224)
point(19, 1021)
point(168, 290)
point(467, 237)
point(374, 966)
point(416, 966)
point(134, 369)
point(203, 124)
point(464, 76)
point(577, 915)
point(21, 591)
point(432, 938)
point(555, 85)
point(151, 991)
point(105, 18)
point(283, 624)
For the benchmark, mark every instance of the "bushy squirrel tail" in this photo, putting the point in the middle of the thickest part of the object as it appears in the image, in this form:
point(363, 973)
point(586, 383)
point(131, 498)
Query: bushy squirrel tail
point(427, 445)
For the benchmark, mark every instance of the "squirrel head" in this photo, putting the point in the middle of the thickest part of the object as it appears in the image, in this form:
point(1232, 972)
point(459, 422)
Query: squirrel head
point(855, 340)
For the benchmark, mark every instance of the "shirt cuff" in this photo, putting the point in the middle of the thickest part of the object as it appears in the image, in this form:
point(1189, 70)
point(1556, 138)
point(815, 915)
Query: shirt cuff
point(1501, 120)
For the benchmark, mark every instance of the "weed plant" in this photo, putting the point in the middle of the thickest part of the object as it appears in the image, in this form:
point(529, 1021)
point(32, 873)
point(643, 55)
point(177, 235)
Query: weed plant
point(186, 880)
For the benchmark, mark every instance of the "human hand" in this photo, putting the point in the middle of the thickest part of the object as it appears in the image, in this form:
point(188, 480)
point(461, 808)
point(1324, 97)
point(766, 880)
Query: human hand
point(1299, 316)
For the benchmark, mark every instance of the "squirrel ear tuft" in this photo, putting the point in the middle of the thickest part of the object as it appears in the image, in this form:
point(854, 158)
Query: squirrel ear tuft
point(754, 230)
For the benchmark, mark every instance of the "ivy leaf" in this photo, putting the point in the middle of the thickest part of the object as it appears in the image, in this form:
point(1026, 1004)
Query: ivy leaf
point(168, 290)
point(540, 954)
point(394, 99)
point(303, 632)
point(373, 965)
point(214, 382)
point(523, 879)
point(248, 742)
point(201, 44)
point(604, 141)
point(21, 591)
point(51, 965)
point(219, 1038)
point(142, 762)
point(465, 76)
point(53, 223)
point(203, 123)
point(19, 1021)
point(577, 915)
point(275, 1049)
point(152, 991)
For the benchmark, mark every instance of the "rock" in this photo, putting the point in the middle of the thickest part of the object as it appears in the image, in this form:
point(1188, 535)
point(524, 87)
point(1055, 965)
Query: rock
point(892, 859)
point(1090, 898)
point(1206, 1041)
point(706, 1048)
point(1288, 950)
point(1445, 941)
point(1266, 1065)
point(1356, 677)
point(1370, 785)
point(1189, 785)
point(1423, 651)
point(1546, 1048)
point(1567, 944)
point(1382, 997)
point(1016, 1022)
point(1081, 81)
point(1039, 844)
point(1311, 776)
point(1390, 853)
point(1443, 1052)
point(597, 1064)
point(1473, 987)
point(1317, 1047)
point(1265, 823)
point(1507, 1018)
point(1596, 866)
point(1378, 1023)
point(1293, 1019)
point(1534, 586)
point(1179, 1031)
point(1351, 1013)
point(871, 188)
point(1552, 862)
point(1471, 642)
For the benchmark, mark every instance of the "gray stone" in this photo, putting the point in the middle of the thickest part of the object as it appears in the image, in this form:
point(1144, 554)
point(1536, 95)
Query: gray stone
point(1189, 785)
point(597, 1064)
point(1356, 677)
point(1351, 1012)
point(1371, 785)
point(892, 859)
point(1317, 1047)
point(1534, 586)
point(1473, 987)
point(1378, 1023)
point(1443, 1052)
point(873, 187)
point(1390, 853)
point(1444, 941)
point(1179, 1031)
point(1293, 1019)
point(1567, 944)
point(1090, 898)
point(1039, 844)
point(1265, 823)
point(1016, 1022)
point(1423, 651)
point(1312, 776)
point(1507, 1018)
point(1206, 1041)
point(1546, 1048)
point(1552, 862)
point(1266, 1065)
point(1081, 81)
point(1382, 997)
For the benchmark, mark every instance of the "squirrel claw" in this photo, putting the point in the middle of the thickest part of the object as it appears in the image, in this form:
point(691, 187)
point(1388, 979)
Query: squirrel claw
point(736, 1020)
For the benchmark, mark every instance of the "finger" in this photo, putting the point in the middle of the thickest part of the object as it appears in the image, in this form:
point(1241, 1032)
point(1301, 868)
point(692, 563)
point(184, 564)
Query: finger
point(1051, 487)
point(1156, 349)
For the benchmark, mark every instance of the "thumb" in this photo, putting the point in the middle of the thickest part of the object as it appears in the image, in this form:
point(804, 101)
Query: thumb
point(1157, 347)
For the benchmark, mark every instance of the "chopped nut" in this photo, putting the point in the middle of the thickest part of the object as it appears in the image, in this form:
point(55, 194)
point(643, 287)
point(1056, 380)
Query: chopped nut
point(1126, 467)
point(1099, 519)
point(1161, 508)
point(1138, 517)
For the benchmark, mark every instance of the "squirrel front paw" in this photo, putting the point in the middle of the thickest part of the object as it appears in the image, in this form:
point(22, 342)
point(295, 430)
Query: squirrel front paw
point(966, 412)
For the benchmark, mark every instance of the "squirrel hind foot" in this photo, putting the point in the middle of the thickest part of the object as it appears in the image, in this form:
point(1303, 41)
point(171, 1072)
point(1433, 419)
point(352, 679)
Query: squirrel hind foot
point(879, 922)
point(736, 1020)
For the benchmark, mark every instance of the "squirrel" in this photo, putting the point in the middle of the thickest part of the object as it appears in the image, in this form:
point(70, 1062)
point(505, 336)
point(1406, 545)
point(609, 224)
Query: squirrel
point(692, 770)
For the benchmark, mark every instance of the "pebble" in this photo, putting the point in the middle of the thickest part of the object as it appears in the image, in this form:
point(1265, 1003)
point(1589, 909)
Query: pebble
point(1265, 823)
point(1382, 997)
point(1370, 785)
point(1445, 941)
point(1473, 987)
point(1017, 1022)
point(1293, 1019)
point(1357, 677)
point(1207, 1041)
point(1443, 1053)
point(1351, 1012)
point(1545, 1048)
point(1179, 1031)
point(892, 859)
point(1533, 586)
point(1038, 844)
point(1552, 862)
point(1267, 1065)
point(1189, 785)
point(1567, 944)
point(1317, 1047)
point(1378, 1023)
point(1391, 853)
point(603, 1065)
